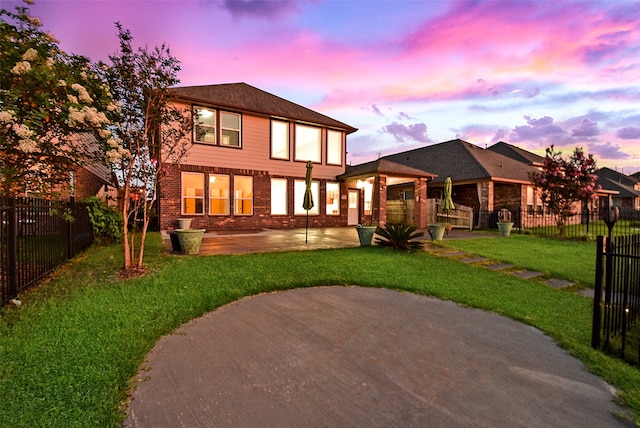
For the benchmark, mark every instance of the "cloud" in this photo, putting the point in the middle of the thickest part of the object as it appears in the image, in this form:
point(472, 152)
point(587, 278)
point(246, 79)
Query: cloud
point(259, 8)
point(587, 128)
point(607, 150)
point(376, 110)
point(416, 132)
point(405, 116)
point(628, 133)
point(536, 129)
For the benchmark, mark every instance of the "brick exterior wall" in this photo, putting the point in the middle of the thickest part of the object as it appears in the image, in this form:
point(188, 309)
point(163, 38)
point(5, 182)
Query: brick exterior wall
point(170, 203)
point(86, 184)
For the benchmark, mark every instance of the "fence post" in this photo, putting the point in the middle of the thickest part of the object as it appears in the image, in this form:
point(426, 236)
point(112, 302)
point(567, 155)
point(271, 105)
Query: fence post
point(597, 295)
point(69, 207)
point(12, 250)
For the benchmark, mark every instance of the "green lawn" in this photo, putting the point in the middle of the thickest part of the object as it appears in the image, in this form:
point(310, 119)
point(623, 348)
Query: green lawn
point(66, 356)
point(566, 259)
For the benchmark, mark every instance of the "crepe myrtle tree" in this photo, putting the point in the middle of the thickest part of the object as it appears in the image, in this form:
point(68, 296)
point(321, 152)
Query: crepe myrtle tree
point(154, 132)
point(565, 181)
point(54, 109)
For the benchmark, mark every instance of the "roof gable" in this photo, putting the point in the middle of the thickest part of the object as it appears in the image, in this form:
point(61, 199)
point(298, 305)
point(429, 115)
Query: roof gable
point(609, 179)
point(516, 153)
point(244, 97)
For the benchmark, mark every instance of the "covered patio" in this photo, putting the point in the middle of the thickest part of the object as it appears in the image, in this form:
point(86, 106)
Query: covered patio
point(389, 192)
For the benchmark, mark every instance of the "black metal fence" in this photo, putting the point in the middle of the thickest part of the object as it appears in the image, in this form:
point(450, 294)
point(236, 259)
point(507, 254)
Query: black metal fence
point(618, 283)
point(587, 224)
point(36, 237)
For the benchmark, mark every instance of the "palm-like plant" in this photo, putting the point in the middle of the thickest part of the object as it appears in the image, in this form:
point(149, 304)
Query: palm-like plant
point(399, 236)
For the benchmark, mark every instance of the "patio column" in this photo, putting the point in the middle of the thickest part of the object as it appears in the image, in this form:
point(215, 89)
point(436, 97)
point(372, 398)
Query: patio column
point(380, 199)
point(420, 204)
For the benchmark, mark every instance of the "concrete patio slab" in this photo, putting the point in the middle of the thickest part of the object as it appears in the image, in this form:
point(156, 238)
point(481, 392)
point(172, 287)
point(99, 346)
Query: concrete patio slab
point(352, 356)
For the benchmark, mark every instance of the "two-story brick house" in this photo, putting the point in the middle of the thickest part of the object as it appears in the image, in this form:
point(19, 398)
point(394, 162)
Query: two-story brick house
point(246, 164)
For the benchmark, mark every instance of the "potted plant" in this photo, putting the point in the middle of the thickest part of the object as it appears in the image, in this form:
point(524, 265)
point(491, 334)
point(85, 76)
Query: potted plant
point(184, 223)
point(504, 222)
point(190, 240)
point(366, 232)
point(436, 231)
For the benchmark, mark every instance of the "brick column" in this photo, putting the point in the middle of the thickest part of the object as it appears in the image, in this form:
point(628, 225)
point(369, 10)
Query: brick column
point(380, 199)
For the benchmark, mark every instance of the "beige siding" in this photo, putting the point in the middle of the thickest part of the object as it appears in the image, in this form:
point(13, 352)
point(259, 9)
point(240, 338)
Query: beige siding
point(255, 154)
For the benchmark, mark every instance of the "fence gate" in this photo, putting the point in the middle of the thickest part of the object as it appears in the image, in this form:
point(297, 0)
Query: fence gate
point(616, 303)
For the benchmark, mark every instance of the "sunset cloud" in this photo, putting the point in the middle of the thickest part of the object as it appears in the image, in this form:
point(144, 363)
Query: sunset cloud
point(531, 73)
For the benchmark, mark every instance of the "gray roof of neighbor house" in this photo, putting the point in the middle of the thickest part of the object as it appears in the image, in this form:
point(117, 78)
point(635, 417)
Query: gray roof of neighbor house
point(383, 166)
point(614, 180)
point(244, 97)
point(517, 153)
point(464, 162)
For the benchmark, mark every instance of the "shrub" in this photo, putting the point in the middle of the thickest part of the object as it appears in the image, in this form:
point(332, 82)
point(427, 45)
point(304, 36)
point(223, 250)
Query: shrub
point(399, 236)
point(106, 222)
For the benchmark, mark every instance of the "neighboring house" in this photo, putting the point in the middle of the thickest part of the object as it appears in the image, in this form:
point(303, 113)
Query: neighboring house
point(246, 165)
point(484, 179)
point(92, 180)
point(626, 186)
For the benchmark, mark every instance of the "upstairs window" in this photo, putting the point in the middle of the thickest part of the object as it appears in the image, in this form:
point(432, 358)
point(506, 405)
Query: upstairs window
point(307, 143)
point(334, 147)
point(230, 124)
point(205, 126)
point(217, 127)
point(279, 140)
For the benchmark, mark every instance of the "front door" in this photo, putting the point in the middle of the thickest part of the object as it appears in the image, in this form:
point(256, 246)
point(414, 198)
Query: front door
point(353, 212)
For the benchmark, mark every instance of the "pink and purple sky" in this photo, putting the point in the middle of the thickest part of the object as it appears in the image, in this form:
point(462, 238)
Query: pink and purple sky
point(406, 73)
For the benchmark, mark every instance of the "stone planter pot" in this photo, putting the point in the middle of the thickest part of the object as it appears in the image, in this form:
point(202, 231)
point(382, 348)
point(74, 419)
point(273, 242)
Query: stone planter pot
point(365, 234)
point(190, 240)
point(184, 223)
point(436, 231)
point(505, 228)
point(175, 242)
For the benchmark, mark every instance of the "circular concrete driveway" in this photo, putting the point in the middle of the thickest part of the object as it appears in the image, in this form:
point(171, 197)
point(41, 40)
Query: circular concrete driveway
point(352, 356)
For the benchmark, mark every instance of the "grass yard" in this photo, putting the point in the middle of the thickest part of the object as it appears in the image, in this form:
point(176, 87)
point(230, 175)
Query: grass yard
point(67, 355)
point(566, 259)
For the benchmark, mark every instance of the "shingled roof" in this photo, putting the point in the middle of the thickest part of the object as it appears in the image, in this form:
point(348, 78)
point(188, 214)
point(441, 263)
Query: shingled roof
point(517, 153)
point(609, 179)
point(244, 97)
point(383, 166)
point(464, 162)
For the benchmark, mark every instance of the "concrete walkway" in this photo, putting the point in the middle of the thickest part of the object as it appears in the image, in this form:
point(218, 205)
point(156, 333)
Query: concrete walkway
point(352, 356)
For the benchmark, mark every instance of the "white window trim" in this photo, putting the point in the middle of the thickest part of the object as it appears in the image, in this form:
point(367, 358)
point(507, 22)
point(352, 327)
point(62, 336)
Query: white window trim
point(211, 198)
point(239, 130)
point(319, 153)
point(341, 148)
point(182, 195)
point(287, 138)
point(327, 197)
point(236, 199)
